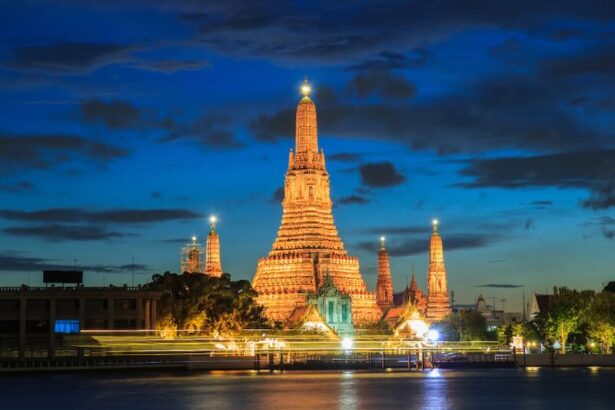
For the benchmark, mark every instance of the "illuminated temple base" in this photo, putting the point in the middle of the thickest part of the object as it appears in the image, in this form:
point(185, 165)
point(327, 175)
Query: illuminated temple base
point(438, 308)
point(284, 282)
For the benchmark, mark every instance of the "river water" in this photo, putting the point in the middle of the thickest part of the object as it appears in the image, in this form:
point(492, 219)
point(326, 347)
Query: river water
point(545, 388)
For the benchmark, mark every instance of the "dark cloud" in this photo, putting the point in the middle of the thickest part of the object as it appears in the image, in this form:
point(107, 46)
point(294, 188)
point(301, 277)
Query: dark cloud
point(113, 114)
point(76, 57)
point(390, 60)
point(290, 32)
point(529, 224)
point(17, 187)
point(607, 226)
point(541, 204)
point(178, 240)
point(112, 216)
point(513, 111)
point(67, 56)
point(380, 175)
point(277, 196)
point(17, 263)
point(353, 199)
point(211, 131)
point(499, 285)
point(382, 83)
point(601, 196)
point(47, 150)
point(170, 66)
point(55, 232)
point(414, 246)
point(599, 61)
point(345, 157)
point(400, 229)
point(592, 170)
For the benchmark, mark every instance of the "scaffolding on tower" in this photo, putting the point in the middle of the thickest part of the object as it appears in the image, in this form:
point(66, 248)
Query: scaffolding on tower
point(192, 257)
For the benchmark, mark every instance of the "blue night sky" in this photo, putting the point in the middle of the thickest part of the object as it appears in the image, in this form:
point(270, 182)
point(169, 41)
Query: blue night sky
point(126, 123)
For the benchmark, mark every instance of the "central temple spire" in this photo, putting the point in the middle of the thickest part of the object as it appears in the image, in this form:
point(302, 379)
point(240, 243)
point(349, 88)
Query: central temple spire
point(308, 247)
point(306, 131)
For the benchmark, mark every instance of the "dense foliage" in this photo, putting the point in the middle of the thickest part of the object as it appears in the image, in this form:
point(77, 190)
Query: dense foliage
point(568, 310)
point(582, 319)
point(200, 303)
point(464, 325)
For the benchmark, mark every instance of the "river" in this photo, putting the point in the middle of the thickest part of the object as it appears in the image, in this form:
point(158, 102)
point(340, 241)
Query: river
point(538, 388)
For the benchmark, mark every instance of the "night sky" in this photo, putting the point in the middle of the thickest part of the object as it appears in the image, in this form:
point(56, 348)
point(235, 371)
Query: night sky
point(124, 124)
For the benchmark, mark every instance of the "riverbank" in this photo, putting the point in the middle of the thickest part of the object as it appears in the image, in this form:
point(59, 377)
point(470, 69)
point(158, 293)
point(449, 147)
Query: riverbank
point(268, 363)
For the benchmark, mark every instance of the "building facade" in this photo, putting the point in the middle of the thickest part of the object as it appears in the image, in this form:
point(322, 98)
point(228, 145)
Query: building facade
point(34, 314)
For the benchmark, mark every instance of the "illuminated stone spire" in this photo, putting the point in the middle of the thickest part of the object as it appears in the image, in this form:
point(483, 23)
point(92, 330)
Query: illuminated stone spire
point(191, 260)
point(438, 304)
point(414, 287)
point(213, 264)
point(384, 287)
point(307, 244)
point(306, 131)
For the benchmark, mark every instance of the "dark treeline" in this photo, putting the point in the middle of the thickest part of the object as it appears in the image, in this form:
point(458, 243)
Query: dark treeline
point(578, 319)
point(204, 304)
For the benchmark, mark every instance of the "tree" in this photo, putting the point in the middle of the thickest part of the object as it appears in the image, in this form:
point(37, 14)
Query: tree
point(196, 303)
point(563, 316)
point(465, 325)
point(600, 319)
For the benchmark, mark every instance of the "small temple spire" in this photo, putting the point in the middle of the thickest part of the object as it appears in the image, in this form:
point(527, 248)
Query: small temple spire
point(438, 303)
point(191, 259)
point(384, 286)
point(212, 223)
point(213, 263)
point(413, 284)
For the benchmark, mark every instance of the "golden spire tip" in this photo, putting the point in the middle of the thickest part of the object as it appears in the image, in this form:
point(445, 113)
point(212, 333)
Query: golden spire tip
point(305, 88)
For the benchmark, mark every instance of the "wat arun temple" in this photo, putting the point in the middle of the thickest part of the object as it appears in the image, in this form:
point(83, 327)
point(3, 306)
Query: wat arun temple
point(308, 254)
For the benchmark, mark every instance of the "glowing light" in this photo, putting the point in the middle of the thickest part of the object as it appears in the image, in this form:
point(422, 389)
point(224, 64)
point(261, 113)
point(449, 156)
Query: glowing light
point(434, 373)
point(347, 343)
point(382, 238)
point(194, 239)
point(213, 219)
point(419, 327)
point(306, 89)
point(435, 222)
point(433, 335)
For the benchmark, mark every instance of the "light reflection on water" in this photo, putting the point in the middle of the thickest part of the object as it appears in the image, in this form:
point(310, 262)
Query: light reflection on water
point(431, 389)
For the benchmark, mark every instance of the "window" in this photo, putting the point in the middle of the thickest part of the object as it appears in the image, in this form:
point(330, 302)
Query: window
point(344, 312)
point(330, 311)
point(66, 326)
